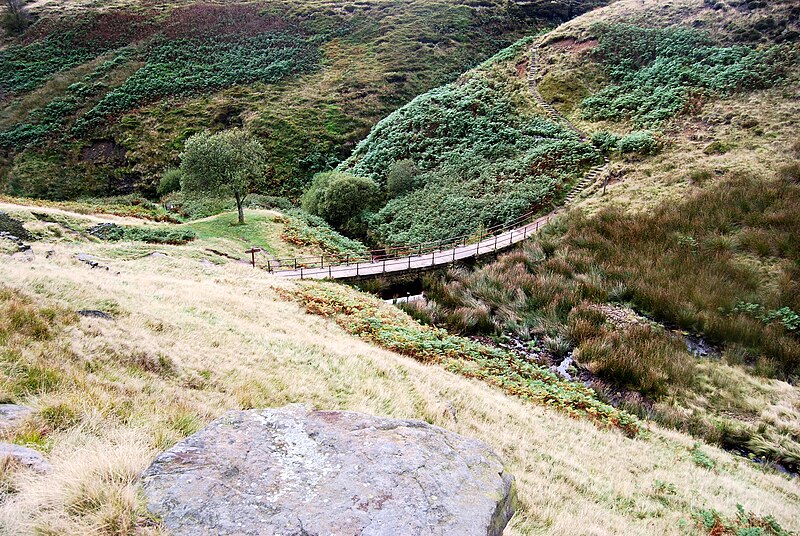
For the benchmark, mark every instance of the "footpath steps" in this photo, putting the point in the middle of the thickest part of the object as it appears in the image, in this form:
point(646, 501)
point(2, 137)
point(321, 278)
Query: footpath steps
point(448, 254)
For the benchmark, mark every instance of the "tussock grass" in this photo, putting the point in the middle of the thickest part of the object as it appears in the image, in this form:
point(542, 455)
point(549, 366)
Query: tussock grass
point(234, 343)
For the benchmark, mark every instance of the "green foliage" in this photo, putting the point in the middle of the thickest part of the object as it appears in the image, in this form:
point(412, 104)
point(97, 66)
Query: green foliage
point(340, 197)
point(192, 66)
point(152, 235)
point(483, 158)
point(401, 177)
point(303, 229)
point(700, 458)
point(642, 143)
point(744, 524)
point(605, 142)
point(396, 331)
point(789, 319)
point(228, 163)
point(655, 72)
point(170, 182)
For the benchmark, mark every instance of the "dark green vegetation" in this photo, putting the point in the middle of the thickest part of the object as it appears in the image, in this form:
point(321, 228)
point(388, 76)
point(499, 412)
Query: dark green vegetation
point(152, 235)
point(395, 331)
point(471, 154)
point(341, 199)
point(100, 102)
point(657, 73)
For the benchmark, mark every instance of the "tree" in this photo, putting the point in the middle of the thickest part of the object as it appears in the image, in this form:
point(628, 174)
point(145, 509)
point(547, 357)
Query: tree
point(228, 163)
point(339, 197)
point(15, 20)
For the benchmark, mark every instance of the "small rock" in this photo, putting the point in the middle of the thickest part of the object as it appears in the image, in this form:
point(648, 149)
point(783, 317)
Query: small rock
point(90, 260)
point(11, 414)
point(293, 471)
point(158, 254)
point(92, 313)
point(25, 457)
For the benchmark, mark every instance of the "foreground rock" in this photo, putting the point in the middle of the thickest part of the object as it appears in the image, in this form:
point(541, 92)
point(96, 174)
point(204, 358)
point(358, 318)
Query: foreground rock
point(292, 471)
point(24, 457)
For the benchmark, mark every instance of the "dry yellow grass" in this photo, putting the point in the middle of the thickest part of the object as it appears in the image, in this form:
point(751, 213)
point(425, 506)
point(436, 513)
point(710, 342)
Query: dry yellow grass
point(216, 338)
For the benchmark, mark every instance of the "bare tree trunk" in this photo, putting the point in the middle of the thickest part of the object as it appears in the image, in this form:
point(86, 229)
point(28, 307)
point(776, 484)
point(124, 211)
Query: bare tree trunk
point(14, 7)
point(240, 208)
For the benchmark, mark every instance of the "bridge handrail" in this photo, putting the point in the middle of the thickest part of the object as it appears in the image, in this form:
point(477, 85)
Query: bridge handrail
point(400, 251)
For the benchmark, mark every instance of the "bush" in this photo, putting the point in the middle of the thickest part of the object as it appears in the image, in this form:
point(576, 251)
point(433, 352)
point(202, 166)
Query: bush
point(153, 235)
point(401, 177)
point(170, 182)
point(339, 197)
point(655, 72)
point(605, 142)
point(642, 143)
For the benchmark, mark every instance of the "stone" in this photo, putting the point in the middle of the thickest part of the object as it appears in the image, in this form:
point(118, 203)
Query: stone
point(293, 471)
point(94, 313)
point(25, 457)
point(12, 414)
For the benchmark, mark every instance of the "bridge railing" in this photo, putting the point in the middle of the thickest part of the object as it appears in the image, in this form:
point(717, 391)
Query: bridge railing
point(400, 251)
point(423, 261)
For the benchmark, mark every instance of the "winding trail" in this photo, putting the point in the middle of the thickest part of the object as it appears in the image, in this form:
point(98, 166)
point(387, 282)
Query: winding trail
point(502, 239)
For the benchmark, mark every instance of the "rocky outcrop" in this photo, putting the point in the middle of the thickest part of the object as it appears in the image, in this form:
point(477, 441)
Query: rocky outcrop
point(293, 471)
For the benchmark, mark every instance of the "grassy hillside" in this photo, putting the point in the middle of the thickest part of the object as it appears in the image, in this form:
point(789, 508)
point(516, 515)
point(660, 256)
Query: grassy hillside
point(701, 236)
point(189, 341)
point(98, 100)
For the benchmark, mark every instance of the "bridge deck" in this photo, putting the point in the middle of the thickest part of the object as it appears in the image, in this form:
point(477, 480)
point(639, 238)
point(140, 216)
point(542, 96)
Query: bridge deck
point(421, 262)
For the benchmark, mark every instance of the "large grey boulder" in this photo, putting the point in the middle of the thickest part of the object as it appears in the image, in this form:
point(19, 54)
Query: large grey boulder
point(293, 471)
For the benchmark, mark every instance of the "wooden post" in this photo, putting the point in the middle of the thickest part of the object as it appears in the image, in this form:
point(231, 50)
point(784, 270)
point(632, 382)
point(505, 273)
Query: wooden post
point(301, 272)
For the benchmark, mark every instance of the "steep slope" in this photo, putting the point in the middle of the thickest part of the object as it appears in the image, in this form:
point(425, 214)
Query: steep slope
point(475, 153)
point(97, 100)
point(696, 103)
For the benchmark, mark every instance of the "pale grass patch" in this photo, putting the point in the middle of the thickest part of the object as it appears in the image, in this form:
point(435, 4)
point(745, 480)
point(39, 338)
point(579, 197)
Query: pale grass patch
point(91, 490)
point(234, 344)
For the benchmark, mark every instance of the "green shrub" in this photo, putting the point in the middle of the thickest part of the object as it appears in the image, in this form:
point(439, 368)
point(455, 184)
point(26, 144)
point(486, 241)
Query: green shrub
point(641, 143)
point(401, 177)
point(605, 142)
point(170, 182)
point(340, 197)
point(654, 72)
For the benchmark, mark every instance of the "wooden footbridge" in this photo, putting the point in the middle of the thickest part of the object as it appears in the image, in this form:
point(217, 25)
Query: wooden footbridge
point(418, 257)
